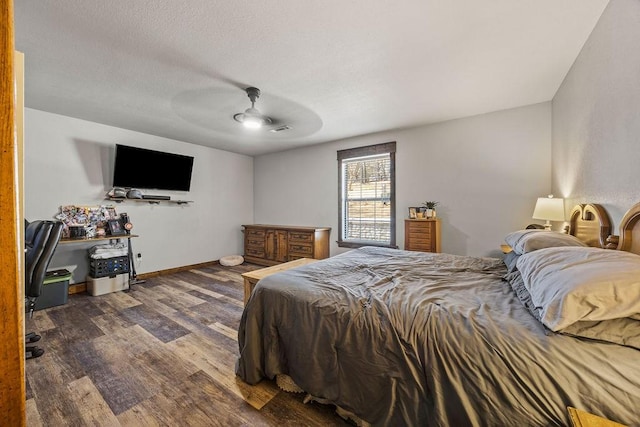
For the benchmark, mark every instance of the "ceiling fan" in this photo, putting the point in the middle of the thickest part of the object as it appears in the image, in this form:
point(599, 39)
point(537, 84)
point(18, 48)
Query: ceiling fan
point(252, 118)
point(281, 118)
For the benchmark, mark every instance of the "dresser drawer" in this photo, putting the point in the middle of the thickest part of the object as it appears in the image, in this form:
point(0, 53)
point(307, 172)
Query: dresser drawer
point(254, 233)
point(300, 250)
point(300, 237)
point(256, 252)
point(255, 241)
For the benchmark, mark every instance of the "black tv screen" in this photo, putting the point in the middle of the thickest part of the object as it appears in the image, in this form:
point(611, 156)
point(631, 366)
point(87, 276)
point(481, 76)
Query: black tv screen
point(150, 169)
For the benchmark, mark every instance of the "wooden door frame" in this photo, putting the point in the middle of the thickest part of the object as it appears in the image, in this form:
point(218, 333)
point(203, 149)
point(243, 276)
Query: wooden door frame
point(12, 383)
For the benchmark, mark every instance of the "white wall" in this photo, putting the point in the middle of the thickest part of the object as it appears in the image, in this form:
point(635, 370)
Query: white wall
point(596, 116)
point(70, 162)
point(486, 171)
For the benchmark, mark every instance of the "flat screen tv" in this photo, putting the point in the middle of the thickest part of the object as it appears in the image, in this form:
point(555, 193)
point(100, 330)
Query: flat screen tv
point(141, 168)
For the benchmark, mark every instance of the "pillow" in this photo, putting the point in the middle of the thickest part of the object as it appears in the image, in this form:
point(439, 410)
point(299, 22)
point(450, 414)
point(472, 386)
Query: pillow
point(514, 279)
point(623, 331)
point(525, 241)
point(510, 260)
point(572, 284)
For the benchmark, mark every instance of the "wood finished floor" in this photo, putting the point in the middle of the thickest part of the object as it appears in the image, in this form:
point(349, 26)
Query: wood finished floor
point(162, 354)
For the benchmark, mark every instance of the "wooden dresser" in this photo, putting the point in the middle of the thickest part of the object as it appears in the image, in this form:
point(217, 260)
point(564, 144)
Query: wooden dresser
point(422, 235)
point(274, 244)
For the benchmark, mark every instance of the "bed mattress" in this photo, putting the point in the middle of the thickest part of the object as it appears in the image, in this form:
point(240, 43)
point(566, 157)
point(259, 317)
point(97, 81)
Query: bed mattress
point(409, 338)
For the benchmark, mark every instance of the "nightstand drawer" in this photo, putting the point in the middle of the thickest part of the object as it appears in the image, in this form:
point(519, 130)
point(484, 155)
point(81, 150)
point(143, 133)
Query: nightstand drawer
point(419, 233)
point(421, 240)
point(420, 248)
point(419, 230)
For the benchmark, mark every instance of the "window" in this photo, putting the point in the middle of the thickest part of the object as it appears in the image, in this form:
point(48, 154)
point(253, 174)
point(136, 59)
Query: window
point(366, 176)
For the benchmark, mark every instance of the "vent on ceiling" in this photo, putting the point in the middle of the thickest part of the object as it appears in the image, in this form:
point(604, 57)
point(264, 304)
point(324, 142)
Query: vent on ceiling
point(280, 128)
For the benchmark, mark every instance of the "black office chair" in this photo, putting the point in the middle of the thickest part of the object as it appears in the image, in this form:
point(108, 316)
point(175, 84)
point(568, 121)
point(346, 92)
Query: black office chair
point(41, 240)
point(32, 254)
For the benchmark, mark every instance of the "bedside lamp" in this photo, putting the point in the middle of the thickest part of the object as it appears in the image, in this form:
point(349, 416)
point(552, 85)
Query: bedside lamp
point(549, 209)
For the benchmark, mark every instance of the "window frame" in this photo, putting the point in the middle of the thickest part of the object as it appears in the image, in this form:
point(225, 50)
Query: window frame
point(369, 150)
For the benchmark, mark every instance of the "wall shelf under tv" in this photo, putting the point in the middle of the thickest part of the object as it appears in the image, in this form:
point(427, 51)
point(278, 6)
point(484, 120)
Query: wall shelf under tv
point(150, 201)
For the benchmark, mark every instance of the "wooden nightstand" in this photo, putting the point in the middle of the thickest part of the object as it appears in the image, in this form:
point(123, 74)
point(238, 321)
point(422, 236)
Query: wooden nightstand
point(252, 277)
point(422, 235)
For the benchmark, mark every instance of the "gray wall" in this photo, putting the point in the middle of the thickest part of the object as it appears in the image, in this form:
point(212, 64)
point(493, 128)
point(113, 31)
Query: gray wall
point(486, 171)
point(596, 116)
point(70, 162)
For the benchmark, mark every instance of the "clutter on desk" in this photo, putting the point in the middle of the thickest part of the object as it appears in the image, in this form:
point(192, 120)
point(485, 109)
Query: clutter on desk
point(93, 220)
point(77, 231)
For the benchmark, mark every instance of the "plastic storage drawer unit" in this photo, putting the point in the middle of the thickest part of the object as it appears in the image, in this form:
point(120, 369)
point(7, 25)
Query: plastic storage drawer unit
point(106, 285)
point(55, 289)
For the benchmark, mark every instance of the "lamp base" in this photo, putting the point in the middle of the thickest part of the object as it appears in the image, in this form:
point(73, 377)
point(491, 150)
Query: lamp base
point(547, 225)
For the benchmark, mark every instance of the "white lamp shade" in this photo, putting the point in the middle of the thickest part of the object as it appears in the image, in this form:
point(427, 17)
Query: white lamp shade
point(549, 209)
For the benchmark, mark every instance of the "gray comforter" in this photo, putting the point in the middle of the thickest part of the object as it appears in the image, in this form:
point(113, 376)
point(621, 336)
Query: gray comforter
point(407, 338)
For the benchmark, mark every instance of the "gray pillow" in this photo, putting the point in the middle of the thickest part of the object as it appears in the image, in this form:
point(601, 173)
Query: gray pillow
point(588, 292)
point(510, 260)
point(625, 331)
point(525, 241)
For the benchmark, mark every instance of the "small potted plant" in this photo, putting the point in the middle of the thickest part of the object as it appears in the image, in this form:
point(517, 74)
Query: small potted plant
point(430, 207)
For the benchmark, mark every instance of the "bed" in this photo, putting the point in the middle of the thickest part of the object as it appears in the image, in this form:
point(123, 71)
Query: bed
point(394, 338)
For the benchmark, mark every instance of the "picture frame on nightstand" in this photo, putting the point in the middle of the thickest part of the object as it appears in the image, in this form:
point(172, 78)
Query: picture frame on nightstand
point(413, 212)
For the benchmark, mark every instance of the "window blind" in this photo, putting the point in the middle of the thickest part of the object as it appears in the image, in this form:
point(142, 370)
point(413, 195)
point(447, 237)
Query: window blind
point(367, 205)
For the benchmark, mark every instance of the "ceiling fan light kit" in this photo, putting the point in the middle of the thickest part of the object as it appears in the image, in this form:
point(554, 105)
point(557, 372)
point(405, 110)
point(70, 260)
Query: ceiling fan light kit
point(252, 118)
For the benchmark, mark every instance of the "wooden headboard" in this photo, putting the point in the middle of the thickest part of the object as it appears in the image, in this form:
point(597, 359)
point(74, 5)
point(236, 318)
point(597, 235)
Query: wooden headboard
point(590, 223)
point(629, 239)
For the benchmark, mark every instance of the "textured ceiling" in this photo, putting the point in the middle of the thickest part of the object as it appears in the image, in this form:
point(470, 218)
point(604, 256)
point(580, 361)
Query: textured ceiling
point(329, 69)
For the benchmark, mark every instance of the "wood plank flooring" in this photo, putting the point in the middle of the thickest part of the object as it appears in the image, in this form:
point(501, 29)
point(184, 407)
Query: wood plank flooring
point(161, 354)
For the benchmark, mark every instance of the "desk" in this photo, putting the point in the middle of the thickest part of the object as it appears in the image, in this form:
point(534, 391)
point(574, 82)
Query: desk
point(133, 275)
point(96, 239)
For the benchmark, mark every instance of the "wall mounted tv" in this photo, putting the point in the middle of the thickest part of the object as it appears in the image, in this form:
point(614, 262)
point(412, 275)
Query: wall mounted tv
point(149, 169)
